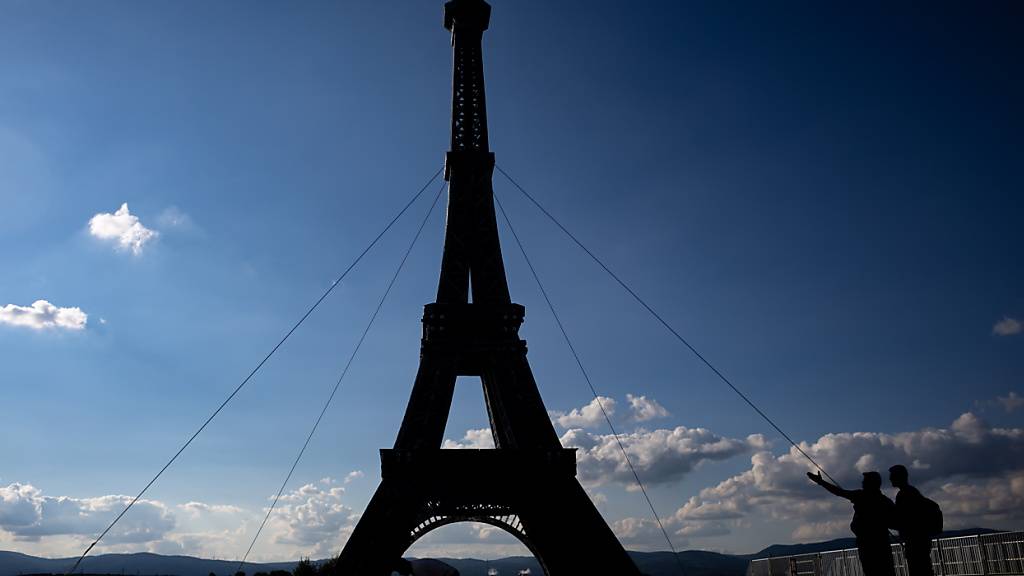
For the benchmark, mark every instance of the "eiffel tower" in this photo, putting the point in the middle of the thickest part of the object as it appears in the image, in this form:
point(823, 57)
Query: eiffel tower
point(527, 485)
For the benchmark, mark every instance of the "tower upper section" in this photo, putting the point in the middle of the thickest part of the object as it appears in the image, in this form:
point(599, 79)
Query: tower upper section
point(467, 20)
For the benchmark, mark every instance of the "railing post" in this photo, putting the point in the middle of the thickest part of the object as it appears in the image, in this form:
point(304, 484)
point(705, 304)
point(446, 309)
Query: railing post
point(942, 561)
point(982, 555)
point(817, 564)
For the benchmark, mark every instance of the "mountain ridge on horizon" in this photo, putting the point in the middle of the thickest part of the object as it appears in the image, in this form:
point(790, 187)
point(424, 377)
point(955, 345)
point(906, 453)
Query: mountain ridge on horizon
point(661, 563)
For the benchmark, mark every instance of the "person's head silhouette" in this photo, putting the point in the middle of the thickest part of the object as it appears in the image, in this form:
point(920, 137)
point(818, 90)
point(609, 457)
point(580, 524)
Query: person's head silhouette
point(899, 477)
point(872, 481)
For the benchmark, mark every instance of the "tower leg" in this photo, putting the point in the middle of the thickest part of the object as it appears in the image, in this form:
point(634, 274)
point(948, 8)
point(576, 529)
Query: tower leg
point(569, 536)
point(430, 402)
point(381, 535)
point(517, 414)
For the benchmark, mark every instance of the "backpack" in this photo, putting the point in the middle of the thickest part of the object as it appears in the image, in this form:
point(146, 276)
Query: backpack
point(931, 517)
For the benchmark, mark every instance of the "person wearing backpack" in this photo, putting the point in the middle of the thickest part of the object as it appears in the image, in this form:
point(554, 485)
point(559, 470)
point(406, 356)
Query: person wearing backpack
point(917, 519)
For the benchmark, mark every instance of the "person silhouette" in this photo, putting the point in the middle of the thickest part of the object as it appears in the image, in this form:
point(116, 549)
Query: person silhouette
point(917, 519)
point(872, 514)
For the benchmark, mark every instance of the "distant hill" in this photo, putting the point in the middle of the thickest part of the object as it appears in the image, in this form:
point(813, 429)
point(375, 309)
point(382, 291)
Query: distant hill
point(695, 562)
point(14, 563)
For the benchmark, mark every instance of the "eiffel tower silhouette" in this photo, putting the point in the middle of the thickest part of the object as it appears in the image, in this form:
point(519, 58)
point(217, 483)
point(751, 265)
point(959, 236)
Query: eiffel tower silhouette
point(527, 485)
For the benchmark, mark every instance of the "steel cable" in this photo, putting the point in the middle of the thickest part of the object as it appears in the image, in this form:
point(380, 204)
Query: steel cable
point(337, 384)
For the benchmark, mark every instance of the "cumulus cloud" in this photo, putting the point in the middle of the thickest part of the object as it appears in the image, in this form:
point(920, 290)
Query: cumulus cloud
point(199, 508)
point(659, 456)
point(639, 532)
point(1011, 402)
point(588, 416)
point(992, 500)
point(123, 228)
point(43, 315)
point(641, 409)
point(1007, 327)
point(468, 540)
point(314, 518)
point(975, 472)
point(821, 530)
point(28, 514)
point(480, 438)
point(353, 475)
point(644, 409)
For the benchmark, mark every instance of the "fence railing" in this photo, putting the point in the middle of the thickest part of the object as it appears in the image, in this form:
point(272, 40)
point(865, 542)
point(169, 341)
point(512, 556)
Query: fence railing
point(1000, 554)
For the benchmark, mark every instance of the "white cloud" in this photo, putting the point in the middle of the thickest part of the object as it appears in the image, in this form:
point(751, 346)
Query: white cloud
point(467, 540)
point(641, 409)
point(588, 416)
point(659, 456)
point(173, 217)
point(314, 518)
point(121, 227)
point(353, 475)
point(199, 508)
point(28, 514)
point(480, 438)
point(1011, 402)
point(703, 529)
point(817, 531)
point(989, 501)
point(636, 530)
point(645, 409)
point(1007, 327)
point(41, 314)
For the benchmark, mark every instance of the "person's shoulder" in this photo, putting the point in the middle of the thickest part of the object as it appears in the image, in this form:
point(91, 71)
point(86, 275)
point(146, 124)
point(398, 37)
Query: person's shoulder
point(908, 496)
point(879, 499)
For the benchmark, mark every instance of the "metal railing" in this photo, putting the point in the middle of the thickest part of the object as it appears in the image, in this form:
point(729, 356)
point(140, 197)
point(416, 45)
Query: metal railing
point(1000, 554)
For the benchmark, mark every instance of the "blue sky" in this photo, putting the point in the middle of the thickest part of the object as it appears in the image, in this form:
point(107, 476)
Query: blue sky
point(826, 200)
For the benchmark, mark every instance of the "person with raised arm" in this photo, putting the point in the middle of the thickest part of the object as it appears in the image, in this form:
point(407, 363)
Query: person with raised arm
point(873, 513)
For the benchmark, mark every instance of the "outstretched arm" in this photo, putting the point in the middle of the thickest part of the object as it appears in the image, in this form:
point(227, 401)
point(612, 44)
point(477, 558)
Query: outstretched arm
point(817, 479)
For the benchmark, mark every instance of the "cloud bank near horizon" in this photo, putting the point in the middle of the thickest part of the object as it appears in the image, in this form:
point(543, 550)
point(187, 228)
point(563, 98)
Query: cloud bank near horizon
point(973, 469)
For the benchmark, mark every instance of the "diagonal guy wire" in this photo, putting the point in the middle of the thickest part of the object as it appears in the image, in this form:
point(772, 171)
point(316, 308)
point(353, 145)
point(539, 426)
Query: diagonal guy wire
point(667, 326)
point(337, 384)
point(593, 390)
point(252, 373)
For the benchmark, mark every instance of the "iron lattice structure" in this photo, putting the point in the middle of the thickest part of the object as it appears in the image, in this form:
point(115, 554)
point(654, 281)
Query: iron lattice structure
point(527, 485)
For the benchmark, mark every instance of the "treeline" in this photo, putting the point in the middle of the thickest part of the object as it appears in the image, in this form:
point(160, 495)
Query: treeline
point(305, 567)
